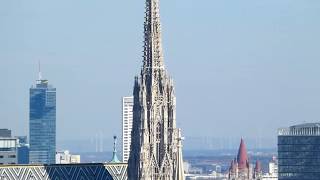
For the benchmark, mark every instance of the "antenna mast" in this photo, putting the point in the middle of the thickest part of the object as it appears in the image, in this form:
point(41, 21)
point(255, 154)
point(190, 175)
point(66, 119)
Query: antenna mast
point(40, 75)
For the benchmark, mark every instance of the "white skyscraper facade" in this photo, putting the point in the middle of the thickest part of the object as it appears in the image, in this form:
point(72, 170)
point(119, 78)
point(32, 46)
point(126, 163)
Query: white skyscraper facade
point(127, 117)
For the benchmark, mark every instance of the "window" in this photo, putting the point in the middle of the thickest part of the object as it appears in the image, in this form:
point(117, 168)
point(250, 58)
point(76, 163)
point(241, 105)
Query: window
point(12, 156)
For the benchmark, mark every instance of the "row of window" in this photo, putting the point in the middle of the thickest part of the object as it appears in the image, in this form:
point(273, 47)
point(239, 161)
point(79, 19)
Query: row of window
point(299, 169)
point(298, 140)
point(300, 176)
point(299, 148)
point(10, 156)
point(7, 163)
point(299, 162)
point(299, 155)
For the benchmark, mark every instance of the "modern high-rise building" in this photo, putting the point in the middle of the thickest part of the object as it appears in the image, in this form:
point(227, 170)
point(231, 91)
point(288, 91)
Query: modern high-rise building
point(299, 152)
point(127, 116)
point(156, 150)
point(42, 123)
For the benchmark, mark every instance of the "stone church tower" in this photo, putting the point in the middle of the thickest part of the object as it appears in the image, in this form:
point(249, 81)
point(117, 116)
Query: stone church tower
point(156, 142)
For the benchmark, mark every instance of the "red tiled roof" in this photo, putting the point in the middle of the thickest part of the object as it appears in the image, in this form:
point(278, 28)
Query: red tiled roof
point(258, 167)
point(242, 158)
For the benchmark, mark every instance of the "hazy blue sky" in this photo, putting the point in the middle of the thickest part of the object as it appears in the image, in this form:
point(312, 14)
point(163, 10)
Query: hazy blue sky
point(241, 67)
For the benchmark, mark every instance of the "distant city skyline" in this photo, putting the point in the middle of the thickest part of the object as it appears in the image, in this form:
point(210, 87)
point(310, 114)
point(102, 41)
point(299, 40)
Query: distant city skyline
point(254, 64)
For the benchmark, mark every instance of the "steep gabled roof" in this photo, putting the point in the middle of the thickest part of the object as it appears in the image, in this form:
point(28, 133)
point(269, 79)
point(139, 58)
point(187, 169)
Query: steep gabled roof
point(242, 158)
point(258, 167)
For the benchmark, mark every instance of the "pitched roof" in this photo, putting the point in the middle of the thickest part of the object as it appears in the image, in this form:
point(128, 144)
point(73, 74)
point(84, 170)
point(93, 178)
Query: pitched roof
point(258, 167)
point(242, 157)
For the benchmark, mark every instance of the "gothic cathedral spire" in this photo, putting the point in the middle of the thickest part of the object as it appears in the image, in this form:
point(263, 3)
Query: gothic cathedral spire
point(153, 55)
point(156, 141)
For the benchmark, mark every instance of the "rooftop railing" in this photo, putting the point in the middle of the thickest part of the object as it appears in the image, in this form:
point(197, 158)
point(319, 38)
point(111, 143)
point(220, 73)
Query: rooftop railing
point(306, 131)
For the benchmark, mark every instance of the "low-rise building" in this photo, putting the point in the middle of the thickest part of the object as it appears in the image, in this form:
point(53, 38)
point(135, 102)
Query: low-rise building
point(13, 150)
point(8, 150)
point(213, 176)
point(273, 170)
point(64, 157)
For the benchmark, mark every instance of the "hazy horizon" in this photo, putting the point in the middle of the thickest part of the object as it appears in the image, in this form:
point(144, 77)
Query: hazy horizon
point(241, 68)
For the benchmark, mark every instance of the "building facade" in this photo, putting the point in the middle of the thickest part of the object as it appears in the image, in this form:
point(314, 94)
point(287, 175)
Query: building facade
point(8, 150)
point(13, 150)
point(156, 150)
point(42, 123)
point(64, 157)
point(273, 170)
point(299, 152)
point(23, 154)
point(5, 133)
point(23, 150)
point(127, 117)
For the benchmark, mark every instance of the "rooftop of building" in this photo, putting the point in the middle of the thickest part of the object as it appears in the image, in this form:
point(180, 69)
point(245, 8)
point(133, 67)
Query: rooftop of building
point(9, 138)
point(305, 129)
point(59, 165)
point(242, 157)
point(66, 171)
point(307, 125)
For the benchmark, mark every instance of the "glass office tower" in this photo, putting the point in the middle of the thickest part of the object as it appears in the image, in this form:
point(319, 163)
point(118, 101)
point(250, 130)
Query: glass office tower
point(299, 152)
point(42, 123)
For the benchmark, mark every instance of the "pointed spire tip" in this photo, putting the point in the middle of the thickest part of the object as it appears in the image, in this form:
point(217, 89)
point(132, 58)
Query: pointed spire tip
point(39, 71)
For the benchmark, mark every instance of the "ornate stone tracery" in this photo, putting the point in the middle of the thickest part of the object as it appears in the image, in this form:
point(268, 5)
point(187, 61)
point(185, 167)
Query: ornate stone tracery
point(156, 141)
